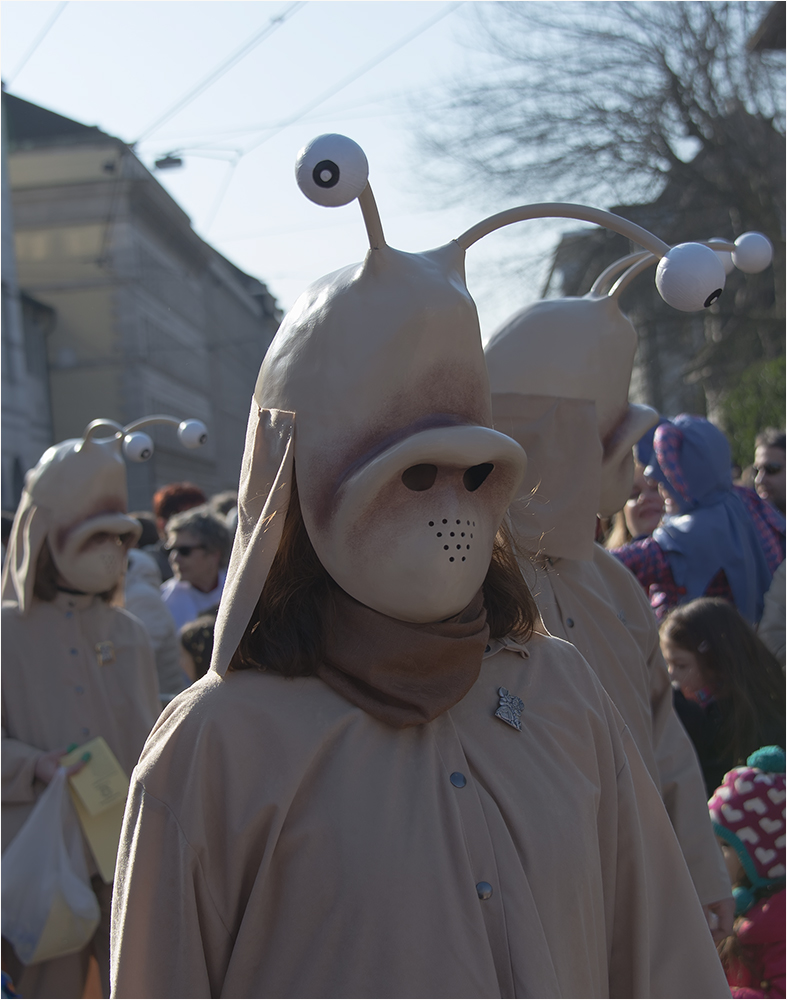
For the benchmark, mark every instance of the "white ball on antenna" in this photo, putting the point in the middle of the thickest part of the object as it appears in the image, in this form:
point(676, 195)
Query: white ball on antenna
point(753, 253)
point(137, 447)
point(690, 277)
point(725, 256)
point(192, 433)
point(331, 170)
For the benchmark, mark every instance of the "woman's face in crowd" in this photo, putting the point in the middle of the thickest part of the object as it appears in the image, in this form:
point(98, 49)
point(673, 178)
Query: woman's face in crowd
point(684, 669)
point(192, 561)
point(644, 507)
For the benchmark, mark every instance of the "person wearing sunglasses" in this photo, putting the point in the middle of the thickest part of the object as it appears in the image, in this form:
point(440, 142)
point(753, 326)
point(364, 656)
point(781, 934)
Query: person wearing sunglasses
point(198, 545)
point(768, 467)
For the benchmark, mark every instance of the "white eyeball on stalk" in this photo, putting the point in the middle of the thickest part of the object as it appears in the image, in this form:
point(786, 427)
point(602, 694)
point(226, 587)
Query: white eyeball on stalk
point(137, 447)
point(192, 433)
point(332, 170)
point(690, 277)
point(753, 253)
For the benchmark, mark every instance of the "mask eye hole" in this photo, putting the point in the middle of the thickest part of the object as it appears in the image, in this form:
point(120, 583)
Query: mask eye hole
point(419, 477)
point(476, 475)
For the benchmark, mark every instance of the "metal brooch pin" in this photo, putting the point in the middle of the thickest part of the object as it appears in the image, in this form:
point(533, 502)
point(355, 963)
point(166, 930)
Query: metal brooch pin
point(510, 708)
point(105, 653)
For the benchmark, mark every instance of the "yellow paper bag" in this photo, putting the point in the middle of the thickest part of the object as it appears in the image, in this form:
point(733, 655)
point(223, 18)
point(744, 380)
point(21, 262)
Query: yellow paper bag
point(99, 795)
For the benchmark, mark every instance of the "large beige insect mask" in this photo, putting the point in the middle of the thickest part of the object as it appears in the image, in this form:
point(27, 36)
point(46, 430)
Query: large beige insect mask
point(75, 500)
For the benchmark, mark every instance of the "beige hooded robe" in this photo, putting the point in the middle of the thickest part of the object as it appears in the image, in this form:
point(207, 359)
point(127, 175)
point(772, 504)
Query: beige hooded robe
point(73, 668)
point(583, 594)
point(280, 841)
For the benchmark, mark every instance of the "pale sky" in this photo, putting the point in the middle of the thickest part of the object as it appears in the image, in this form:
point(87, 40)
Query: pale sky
point(122, 64)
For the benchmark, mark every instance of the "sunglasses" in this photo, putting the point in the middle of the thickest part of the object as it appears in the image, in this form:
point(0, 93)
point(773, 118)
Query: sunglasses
point(183, 550)
point(770, 468)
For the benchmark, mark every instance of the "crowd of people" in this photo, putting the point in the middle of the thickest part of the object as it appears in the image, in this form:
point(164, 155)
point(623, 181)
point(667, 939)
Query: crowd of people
point(390, 722)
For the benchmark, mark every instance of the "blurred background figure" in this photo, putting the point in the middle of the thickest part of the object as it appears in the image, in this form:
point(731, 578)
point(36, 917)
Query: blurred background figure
point(143, 599)
point(198, 545)
point(753, 955)
point(169, 500)
point(768, 468)
point(728, 688)
point(74, 665)
point(196, 645)
point(771, 629)
point(641, 515)
point(715, 539)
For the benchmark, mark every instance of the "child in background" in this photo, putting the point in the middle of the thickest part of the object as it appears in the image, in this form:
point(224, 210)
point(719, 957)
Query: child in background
point(729, 689)
point(747, 812)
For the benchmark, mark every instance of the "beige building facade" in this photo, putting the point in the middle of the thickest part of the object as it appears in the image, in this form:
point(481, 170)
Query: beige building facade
point(148, 318)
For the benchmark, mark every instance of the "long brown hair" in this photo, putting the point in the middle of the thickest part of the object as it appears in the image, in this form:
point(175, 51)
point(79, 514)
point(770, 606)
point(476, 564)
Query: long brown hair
point(738, 667)
point(286, 630)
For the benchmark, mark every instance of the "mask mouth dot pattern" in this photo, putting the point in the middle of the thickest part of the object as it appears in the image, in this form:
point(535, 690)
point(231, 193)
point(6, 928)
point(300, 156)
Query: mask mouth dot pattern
point(444, 533)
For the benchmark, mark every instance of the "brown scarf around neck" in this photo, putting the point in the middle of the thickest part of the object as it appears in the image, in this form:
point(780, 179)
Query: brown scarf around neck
point(402, 673)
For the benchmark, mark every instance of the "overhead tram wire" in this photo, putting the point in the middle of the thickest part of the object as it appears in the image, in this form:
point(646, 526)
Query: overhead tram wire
point(326, 95)
point(222, 68)
point(37, 41)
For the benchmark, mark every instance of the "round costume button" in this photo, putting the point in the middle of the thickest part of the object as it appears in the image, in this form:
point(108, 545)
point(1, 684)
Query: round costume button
point(484, 890)
point(73, 652)
point(458, 780)
point(79, 689)
point(85, 731)
point(570, 622)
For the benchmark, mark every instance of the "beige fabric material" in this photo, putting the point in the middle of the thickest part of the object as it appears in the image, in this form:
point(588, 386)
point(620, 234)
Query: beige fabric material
point(55, 692)
point(280, 842)
point(263, 497)
point(401, 673)
point(143, 600)
point(600, 608)
point(558, 500)
point(771, 627)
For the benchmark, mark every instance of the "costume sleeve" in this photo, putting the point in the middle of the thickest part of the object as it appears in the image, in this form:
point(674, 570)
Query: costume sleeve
point(160, 626)
point(19, 765)
point(168, 939)
point(683, 787)
point(647, 561)
point(660, 942)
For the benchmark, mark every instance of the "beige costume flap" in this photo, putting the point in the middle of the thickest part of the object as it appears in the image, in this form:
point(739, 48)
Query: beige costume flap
point(30, 528)
point(263, 498)
point(560, 493)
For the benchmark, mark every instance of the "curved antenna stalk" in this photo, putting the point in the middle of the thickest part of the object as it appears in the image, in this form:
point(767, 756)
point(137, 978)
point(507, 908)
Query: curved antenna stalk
point(557, 210)
point(601, 285)
point(156, 418)
point(371, 218)
point(93, 426)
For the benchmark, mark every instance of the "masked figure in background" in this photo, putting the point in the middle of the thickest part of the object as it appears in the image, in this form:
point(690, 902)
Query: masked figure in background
point(344, 805)
point(559, 372)
point(718, 540)
point(74, 666)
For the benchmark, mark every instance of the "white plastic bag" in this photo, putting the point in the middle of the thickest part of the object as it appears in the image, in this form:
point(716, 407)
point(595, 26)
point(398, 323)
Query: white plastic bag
point(48, 906)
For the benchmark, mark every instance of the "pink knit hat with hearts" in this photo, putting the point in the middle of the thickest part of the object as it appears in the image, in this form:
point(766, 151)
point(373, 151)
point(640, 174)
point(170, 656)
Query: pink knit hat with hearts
point(747, 811)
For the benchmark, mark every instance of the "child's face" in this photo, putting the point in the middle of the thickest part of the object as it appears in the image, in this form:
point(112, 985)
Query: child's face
point(684, 670)
point(732, 861)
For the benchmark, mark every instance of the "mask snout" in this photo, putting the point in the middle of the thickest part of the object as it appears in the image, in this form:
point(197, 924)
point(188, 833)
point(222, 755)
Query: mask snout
point(413, 528)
